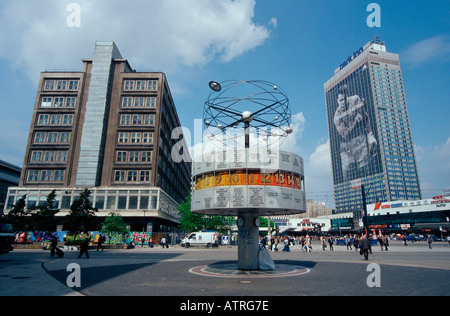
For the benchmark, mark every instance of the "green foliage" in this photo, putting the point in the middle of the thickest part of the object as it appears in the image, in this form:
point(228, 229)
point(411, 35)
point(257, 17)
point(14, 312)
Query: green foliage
point(195, 222)
point(114, 224)
point(44, 219)
point(20, 216)
point(82, 214)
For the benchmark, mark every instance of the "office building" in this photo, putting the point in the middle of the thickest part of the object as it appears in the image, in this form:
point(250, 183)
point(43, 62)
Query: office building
point(369, 129)
point(106, 128)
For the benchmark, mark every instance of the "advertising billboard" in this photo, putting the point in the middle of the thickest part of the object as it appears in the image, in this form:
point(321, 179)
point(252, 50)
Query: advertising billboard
point(355, 147)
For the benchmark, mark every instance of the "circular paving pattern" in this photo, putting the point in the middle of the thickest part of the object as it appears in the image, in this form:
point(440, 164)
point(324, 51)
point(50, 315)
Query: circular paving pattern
point(230, 270)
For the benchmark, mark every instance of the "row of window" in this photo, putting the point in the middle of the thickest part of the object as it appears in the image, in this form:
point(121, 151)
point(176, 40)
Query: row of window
point(133, 156)
point(139, 84)
point(137, 119)
point(139, 102)
point(55, 119)
point(58, 102)
point(135, 138)
point(132, 176)
point(52, 137)
point(53, 84)
point(45, 176)
point(48, 156)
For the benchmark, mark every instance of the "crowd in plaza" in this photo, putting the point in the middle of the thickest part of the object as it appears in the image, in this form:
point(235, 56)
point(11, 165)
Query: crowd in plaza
point(358, 243)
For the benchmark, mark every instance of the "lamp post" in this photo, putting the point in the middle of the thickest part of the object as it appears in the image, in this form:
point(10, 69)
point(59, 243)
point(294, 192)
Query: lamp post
point(363, 193)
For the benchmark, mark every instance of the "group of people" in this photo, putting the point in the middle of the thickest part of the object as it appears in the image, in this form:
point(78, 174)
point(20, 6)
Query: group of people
point(84, 246)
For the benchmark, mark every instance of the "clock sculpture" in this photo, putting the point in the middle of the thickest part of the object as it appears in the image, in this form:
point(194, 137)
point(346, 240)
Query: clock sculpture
point(245, 174)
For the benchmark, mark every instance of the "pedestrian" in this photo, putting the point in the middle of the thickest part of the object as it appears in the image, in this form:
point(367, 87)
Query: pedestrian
point(356, 242)
point(331, 242)
point(386, 242)
point(100, 241)
point(53, 246)
point(262, 243)
point(324, 243)
point(365, 247)
point(429, 240)
point(404, 240)
point(84, 247)
point(380, 241)
point(286, 244)
point(348, 242)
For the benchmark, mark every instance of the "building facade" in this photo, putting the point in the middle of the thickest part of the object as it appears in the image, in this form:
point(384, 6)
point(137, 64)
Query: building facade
point(106, 128)
point(9, 177)
point(369, 129)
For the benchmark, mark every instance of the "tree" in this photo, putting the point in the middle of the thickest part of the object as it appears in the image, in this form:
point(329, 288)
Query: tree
point(20, 216)
point(82, 214)
point(44, 219)
point(195, 222)
point(114, 224)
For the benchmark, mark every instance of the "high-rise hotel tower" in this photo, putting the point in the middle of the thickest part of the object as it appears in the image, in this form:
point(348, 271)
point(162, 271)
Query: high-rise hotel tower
point(106, 128)
point(369, 129)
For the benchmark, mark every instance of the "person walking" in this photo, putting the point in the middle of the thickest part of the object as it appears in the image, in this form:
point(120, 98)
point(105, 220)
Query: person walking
point(365, 247)
point(53, 246)
point(380, 241)
point(429, 240)
point(324, 243)
point(348, 242)
point(100, 241)
point(331, 242)
point(84, 247)
point(386, 242)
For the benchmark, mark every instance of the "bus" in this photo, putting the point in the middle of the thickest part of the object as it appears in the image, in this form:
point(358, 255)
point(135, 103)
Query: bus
point(6, 236)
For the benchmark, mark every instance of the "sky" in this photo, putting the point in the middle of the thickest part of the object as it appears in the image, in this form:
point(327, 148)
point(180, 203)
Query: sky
point(296, 44)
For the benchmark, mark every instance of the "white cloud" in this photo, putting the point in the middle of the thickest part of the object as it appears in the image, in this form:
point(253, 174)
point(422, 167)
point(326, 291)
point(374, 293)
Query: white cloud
point(434, 168)
point(150, 33)
point(318, 175)
point(429, 49)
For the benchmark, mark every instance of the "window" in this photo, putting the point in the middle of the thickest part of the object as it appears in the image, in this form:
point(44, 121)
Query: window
point(123, 137)
point(135, 138)
point(151, 102)
point(121, 156)
point(128, 85)
point(152, 84)
point(146, 156)
point(61, 156)
point(120, 176)
point(140, 84)
point(132, 175)
point(49, 84)
point(33, 175)
point(49, 156)
point(70, 101)
point(137, 119)
point(127, 102)
point(145, 175)
point(73, 84)
point(125, 119)
point(67, 119)
point(36, 156)
point(59, 102)
point(56, 119)
point(39, 137)
point(46, 175)
point(43, 119)
point(58, 176)
point(46, 102)
point(134, 156)
point(61, 85)
point(139, 102)
point(52, 137)
point(149, 119)
point(147, 138)
point(65, 136)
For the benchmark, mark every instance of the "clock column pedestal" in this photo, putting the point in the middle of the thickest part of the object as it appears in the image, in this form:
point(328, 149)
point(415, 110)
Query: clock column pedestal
point(248, 239)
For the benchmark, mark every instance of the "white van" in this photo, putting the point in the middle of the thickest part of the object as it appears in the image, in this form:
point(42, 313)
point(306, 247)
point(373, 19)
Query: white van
point(207, 239)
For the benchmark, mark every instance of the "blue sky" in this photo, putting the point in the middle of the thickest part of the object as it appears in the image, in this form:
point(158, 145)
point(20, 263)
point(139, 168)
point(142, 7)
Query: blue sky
point(293, 43)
